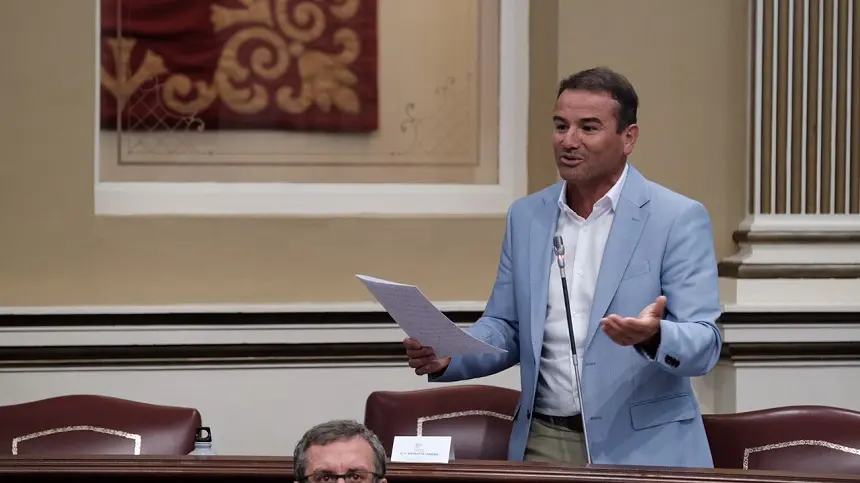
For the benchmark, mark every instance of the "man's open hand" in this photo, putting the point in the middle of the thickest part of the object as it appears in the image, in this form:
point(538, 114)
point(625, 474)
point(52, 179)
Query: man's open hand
point(423, 359)
point(635, 330)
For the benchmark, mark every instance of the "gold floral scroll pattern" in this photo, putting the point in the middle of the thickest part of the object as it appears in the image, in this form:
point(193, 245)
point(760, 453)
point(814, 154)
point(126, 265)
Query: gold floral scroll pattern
point(284, 28)
point(446, 130)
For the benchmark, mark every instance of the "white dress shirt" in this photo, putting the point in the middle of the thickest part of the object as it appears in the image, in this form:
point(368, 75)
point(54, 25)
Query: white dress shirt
point(584, 242)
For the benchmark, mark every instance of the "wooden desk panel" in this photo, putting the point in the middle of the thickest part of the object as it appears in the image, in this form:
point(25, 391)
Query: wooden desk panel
point(235, 469)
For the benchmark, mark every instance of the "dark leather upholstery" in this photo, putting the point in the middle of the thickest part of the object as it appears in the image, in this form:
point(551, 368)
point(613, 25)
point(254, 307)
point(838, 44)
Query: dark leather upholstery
point(816, 439)
point(478, 418)
point(793, 438)
point(96, 425)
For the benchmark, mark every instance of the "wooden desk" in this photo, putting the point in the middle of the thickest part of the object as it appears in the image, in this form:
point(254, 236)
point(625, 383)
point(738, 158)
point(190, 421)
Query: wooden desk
point(233, 469)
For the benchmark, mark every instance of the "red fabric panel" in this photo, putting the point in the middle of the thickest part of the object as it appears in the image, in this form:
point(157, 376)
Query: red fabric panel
point(304, 65)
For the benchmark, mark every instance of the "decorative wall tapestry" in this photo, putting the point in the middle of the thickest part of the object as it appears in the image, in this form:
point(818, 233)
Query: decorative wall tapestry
point(300, 65)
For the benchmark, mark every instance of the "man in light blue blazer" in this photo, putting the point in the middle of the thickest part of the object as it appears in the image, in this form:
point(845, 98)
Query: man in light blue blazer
point(643, 297)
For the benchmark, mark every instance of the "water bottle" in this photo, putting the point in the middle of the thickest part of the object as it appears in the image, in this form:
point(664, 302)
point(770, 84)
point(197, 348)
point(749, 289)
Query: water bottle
point(203, 442)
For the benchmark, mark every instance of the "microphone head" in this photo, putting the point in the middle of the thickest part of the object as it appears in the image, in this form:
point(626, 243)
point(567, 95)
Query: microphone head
point(558, 244)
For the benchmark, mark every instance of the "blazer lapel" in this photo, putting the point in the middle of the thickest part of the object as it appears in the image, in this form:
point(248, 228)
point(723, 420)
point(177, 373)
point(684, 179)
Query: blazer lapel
point(630, 217)
point(543, 224)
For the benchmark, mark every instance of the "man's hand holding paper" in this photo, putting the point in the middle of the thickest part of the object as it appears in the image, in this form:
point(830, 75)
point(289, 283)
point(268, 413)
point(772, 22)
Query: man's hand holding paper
point(423, 322)
point(423, 359)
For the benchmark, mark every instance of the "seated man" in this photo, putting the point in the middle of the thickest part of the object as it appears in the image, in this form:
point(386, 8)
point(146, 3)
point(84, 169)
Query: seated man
point(339, 449)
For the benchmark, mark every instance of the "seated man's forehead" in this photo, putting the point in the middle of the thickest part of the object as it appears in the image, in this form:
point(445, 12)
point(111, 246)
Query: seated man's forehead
point(341, 455)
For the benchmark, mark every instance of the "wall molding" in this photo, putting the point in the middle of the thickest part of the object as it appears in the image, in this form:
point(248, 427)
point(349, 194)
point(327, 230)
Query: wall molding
point(341, 353)
point(793, 237)
point(790, 295)
point(270, 317)
point(305, 320)
point(58, 349)
point(51, 340)
point(221, 308)
point(795, 247)
point(201, 354)
point(800, 223)
point(741, 269)
point(791, 351)
point(811, 318)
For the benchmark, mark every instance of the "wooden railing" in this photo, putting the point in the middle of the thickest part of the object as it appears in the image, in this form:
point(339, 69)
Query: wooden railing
point(234, 469)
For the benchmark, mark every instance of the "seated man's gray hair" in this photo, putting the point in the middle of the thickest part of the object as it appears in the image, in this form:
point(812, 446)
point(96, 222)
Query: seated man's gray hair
point(332, 431)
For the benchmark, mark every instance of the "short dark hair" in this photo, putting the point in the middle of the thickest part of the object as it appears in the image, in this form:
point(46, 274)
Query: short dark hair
point(331, 431)
point(604, 79)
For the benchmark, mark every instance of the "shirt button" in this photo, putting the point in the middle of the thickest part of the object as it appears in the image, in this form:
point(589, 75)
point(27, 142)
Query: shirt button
point(578, 271)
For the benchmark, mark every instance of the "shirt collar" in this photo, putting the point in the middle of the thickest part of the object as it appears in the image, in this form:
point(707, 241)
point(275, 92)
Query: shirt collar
point(613, 195)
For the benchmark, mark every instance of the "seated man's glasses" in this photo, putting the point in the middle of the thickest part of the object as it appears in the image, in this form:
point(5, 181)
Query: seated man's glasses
point(354, 476)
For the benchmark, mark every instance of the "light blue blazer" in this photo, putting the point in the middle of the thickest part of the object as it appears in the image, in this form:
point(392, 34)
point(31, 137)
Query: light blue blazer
point(638, 411)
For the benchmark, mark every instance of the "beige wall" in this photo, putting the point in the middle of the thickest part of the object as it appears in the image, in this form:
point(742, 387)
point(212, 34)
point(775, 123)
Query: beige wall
point(686, 58)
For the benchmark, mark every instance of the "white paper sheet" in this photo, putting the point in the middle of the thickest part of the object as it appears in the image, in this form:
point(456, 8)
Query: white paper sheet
point(422, 321)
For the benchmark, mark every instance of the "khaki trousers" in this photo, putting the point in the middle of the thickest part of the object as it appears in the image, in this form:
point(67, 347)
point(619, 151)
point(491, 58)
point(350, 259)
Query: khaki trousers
point(551, 443)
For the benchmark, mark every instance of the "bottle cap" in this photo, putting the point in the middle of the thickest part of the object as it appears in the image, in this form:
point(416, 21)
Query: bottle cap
point(204, 435)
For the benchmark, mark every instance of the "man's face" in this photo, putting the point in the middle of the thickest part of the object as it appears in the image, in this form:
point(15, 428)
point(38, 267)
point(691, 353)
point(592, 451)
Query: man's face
point(353, 456)
point(587, 144)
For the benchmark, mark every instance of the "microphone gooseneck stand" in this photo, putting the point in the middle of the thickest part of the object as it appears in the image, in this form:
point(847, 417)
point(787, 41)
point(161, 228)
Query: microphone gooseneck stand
point(558, 246)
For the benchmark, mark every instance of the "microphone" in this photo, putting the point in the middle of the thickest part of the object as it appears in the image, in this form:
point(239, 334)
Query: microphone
point(558, 247)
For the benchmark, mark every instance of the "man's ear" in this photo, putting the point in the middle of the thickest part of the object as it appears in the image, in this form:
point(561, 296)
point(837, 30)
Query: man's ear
point(629, 137)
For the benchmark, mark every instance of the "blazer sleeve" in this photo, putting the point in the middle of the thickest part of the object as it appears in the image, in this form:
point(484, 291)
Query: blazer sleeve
point(689, 339)
point(498, 326)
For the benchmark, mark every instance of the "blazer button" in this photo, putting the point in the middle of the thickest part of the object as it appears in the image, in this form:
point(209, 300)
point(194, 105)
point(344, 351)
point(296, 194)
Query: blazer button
point(528, 414)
